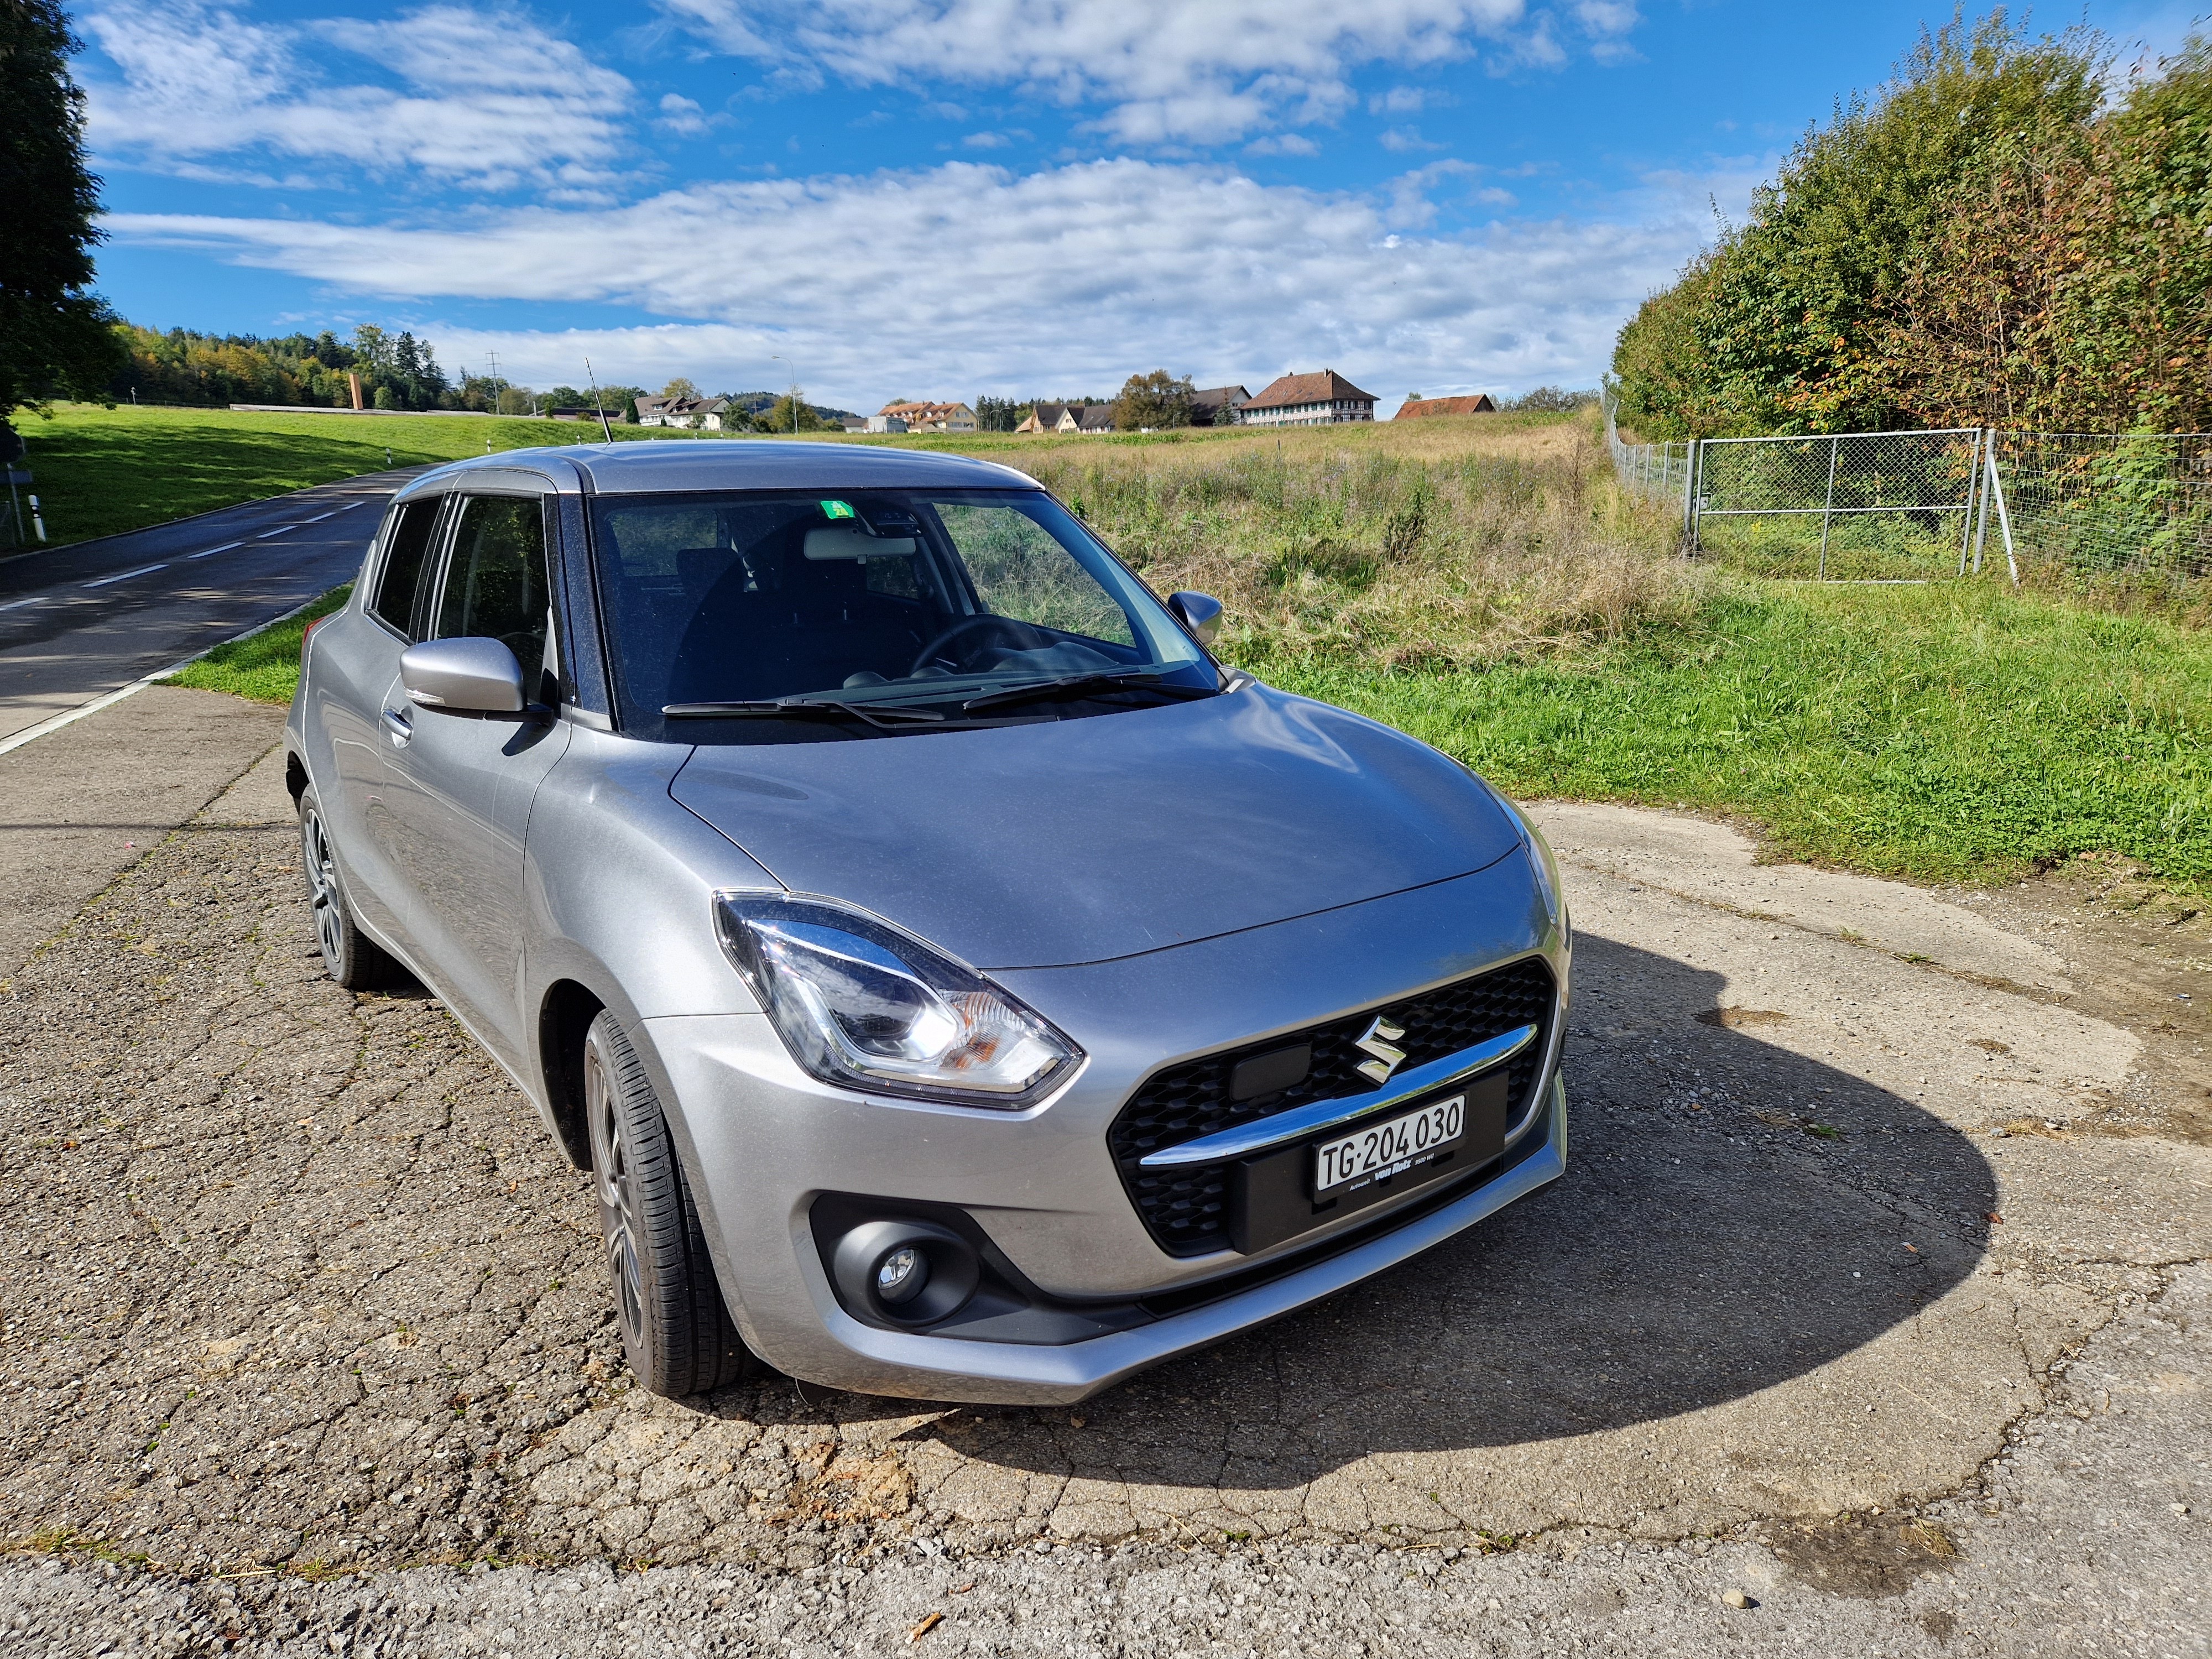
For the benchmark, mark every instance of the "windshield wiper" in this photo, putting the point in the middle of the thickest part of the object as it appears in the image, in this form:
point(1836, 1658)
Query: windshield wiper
point(1149, 679)
point(873, 715)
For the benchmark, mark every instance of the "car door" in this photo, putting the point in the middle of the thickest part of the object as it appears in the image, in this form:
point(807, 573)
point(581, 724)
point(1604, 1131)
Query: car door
point(355, 673)
point(461, 784)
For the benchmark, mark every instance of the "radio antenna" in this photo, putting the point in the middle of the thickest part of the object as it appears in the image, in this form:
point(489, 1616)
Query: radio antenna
point(596, 405)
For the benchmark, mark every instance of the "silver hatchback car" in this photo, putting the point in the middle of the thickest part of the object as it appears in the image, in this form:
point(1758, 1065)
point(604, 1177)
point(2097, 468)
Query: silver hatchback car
point(957, 983)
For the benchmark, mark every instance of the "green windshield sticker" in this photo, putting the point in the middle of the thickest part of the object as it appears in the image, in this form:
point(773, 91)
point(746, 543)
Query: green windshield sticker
point(838, 510)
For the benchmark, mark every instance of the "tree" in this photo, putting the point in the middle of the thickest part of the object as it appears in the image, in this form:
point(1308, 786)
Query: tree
point(681, 387)
point(778, 417)
point(1157, 401)
point(1791, 321)
point(55, 336)
point(999, 414)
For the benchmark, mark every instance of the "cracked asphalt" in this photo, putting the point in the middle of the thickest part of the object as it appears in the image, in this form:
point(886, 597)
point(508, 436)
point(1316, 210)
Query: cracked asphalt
point(1875, 1296)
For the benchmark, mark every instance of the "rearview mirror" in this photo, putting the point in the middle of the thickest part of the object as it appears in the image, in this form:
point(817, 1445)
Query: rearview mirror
point(1199, 612)
point(463, 677)
point(839, 542)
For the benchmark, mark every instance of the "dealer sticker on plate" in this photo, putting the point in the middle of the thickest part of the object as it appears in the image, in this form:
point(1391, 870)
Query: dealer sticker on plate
point(1389, 1148)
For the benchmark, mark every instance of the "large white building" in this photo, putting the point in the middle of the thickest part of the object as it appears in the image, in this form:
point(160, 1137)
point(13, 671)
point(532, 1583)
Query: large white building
point(1323, 399)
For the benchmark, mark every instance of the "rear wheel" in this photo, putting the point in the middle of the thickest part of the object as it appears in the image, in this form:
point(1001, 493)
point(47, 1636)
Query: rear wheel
point(676, 1331)
point(354, 959)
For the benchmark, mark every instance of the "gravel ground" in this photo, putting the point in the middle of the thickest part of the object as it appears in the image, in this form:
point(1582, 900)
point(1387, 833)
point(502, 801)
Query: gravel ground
point(1875, 1295)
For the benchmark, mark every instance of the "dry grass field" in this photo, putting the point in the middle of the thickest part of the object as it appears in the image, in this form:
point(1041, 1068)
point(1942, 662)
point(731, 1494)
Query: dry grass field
point(1435, 544)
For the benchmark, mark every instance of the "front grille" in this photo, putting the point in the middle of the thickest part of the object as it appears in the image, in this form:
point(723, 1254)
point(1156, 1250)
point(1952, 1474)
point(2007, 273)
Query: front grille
point(1186, 1209)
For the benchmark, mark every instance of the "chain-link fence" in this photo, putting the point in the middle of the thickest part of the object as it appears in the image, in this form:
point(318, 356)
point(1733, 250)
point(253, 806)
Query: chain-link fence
point(2132, 503)
point(1661, 471)
point(1910, 506)
point(1859, 505)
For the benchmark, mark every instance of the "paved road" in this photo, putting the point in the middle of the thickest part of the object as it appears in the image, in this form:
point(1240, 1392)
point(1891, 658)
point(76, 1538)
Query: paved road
point(79, 622)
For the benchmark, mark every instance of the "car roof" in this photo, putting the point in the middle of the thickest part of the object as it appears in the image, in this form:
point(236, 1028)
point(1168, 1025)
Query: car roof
point(643, 466)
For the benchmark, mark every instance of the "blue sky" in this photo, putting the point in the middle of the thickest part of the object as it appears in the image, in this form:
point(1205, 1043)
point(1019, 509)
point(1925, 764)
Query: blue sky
point(948, 198)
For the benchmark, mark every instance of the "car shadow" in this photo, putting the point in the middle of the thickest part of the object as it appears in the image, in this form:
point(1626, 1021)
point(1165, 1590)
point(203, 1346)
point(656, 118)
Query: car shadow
point(1699, 1249)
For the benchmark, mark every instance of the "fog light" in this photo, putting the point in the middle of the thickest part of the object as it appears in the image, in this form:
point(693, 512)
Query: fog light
point(902, 1275)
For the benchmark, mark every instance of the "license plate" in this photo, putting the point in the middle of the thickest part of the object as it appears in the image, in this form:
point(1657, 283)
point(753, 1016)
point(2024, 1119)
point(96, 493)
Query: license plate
point(1389, 1148)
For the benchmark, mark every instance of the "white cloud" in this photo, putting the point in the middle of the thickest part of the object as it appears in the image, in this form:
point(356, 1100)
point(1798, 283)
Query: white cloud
point(1406, 138)
point(487, 99)
point(1168, 70)
point(1283, 143)
point(684, 117)
point(930, 280)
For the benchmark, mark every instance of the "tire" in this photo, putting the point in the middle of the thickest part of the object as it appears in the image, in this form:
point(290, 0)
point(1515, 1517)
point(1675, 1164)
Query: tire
point(355, 960)
point(676, 1331)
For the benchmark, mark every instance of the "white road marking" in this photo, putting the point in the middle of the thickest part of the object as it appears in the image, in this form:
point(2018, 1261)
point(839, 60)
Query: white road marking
point(210, 552)
point(142, 570)
point(319, 517)
point(278, 531)
point(54, 723)
point(17, 604)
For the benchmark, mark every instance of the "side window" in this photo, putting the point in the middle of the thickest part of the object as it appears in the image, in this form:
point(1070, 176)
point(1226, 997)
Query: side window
point(496, 579)
point(403, 564)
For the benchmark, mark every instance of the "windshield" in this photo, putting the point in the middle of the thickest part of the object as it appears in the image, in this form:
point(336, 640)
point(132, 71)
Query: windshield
point(881, 611)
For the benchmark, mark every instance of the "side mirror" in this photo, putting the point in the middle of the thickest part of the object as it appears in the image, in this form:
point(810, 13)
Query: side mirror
point(463, 677)
point(1200, 612)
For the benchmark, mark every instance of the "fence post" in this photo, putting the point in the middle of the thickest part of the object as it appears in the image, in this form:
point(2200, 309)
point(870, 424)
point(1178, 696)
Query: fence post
point(2004, 518)
point(1986, 453)
point(1690, 499)
point(1829, 506)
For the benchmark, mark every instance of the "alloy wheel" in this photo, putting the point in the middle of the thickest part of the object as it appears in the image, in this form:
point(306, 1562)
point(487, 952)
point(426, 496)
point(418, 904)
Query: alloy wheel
point(323, 888)
point(617, 1183)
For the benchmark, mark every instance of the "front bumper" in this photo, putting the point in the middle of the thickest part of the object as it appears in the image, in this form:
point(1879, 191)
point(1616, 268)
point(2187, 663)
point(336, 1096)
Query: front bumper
point(869, 1360)
point(768, 1148)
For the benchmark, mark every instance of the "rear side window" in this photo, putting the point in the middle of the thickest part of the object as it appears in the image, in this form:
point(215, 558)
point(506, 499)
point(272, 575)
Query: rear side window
point(403, 564)
point(496, 581)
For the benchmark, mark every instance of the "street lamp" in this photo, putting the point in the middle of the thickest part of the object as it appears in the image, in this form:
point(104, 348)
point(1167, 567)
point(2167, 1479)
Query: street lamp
point(778, 357)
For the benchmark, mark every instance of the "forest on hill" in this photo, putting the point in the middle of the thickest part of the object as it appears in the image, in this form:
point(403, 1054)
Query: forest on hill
point(2013, 231)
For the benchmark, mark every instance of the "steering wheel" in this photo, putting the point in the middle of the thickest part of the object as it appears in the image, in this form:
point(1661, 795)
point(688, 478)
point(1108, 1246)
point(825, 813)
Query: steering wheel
point(1022, 636)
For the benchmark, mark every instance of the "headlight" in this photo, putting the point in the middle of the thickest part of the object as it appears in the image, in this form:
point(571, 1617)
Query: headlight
point(1547, 869)
point(861, 1004)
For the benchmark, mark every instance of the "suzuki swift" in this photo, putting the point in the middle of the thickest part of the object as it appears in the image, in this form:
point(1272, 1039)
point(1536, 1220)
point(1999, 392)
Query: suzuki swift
point(957, 983)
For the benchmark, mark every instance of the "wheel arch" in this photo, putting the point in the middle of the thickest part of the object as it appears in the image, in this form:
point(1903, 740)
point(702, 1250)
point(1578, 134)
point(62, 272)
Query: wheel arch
point(565, 1014)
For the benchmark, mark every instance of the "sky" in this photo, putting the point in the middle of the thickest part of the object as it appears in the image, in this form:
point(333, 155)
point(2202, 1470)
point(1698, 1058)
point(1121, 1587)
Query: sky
point(946, 199)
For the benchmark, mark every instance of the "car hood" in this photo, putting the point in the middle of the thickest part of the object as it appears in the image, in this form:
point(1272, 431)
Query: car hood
point(1066, 842)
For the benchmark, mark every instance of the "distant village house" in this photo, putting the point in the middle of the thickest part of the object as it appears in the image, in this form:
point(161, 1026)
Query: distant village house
point(703, 414)
point(1323, 399)
point(1416, 407)
point(931, 418)
point(1091, 418)
point(1218, 405)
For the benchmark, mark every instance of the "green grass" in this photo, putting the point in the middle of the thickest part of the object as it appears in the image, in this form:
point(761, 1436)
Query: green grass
point(1944, 733)
point(264, 666)
point(101, 472)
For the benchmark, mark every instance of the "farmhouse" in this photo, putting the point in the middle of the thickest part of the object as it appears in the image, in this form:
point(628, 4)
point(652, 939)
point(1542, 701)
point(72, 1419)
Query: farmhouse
point(931, 418)
point(1218, 405)
point(1091, 418)
point(1323, 399)
point(706, 413)
point(1417, 407)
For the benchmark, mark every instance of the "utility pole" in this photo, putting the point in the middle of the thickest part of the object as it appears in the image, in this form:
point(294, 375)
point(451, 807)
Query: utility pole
point(495, 383)
point(777, 357)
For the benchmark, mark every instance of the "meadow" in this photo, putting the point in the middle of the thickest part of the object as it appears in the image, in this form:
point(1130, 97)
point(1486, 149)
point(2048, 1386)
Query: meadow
point(1482, 583)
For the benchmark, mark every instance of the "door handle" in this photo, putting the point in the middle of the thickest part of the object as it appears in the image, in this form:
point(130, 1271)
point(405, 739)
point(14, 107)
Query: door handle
point(399, 727)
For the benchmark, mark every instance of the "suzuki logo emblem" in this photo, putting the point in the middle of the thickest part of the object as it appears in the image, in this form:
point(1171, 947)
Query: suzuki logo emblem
point(1377, 1041)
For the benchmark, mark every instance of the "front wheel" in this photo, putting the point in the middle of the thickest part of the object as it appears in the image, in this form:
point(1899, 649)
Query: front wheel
point(676, 1331)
